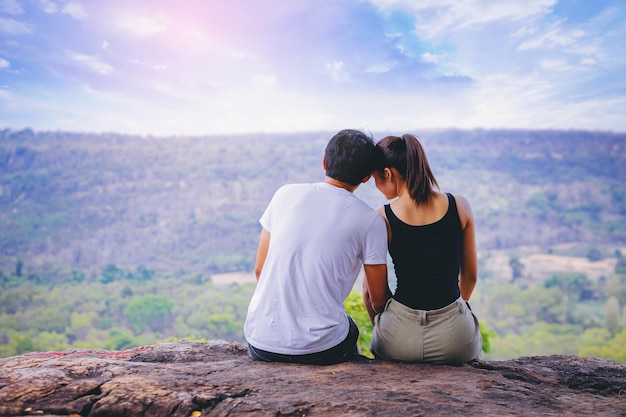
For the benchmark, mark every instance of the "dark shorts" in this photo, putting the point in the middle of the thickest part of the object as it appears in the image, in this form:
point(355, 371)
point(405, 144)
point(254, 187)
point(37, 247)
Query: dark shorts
point(343, 352)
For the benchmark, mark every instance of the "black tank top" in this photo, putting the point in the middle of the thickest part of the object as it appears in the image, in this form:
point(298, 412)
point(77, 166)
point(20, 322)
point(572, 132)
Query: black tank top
point(427, 259)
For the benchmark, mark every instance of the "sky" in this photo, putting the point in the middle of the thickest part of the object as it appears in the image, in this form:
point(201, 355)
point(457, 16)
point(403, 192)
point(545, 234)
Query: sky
point(203, 67)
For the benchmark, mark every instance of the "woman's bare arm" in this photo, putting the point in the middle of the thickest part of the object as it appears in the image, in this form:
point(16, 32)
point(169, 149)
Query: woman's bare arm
point(469, 262)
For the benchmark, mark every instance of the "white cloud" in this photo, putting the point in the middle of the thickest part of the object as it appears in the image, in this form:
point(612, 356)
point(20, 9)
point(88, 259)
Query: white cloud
point(143, 25)
point(160, 67)
point(266, 80)
point(562, 65)
point(75, 10)
point(555, 36)
point(588, 61)
point(105, 46)
point(48, 7)
point(91, 62)
point(490, 11)
point(337, 71)
point(381, 68)
point(555, 64)
point(533, 102)
point(561, 48)
point(432, 58)
point(5, 95)
point(10, 7)
point(4, 63)
point(13, 27)
point(436, 18)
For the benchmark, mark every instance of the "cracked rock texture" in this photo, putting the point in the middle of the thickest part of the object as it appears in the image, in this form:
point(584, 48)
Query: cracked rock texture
point(218, 379)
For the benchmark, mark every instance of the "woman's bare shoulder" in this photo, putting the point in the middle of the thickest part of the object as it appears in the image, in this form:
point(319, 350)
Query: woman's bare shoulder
point(460, 200)
point(464, 208)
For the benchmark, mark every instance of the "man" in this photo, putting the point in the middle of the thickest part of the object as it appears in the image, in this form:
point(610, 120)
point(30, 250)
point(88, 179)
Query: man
point(315, 240)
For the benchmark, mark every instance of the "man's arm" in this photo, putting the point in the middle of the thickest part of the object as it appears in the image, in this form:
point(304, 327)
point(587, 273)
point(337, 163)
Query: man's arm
point(376, 290)
point(264, 244)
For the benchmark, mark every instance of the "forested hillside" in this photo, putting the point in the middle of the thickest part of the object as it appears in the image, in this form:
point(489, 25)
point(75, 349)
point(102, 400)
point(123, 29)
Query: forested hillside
point(192, 204)
point(118, 218)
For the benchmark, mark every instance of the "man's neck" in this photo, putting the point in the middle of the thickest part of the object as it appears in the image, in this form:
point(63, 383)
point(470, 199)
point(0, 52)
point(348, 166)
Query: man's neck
point(340, 184)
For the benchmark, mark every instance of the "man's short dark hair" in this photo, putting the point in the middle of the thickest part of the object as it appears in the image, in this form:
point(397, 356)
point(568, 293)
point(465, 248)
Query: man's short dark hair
point(351, 155)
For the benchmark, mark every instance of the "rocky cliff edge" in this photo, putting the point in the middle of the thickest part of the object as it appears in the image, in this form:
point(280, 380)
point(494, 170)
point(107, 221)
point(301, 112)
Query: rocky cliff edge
point(218, 379)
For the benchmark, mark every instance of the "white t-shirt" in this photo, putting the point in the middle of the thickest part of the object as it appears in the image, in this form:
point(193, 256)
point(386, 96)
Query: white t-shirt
point(320, 237)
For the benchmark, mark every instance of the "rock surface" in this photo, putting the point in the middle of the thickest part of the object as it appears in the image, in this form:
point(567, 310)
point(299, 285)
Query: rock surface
point(218, 379)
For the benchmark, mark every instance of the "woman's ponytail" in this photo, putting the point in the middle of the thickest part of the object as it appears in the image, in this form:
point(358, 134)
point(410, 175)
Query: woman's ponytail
point(407, 156)
point(419, 178)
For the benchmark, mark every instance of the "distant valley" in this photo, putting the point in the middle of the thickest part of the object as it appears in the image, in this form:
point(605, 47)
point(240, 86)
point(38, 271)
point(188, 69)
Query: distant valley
point(192, 203)
point(114, 241)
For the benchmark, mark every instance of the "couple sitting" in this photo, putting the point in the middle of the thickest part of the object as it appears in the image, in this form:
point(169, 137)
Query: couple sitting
point(317, 237)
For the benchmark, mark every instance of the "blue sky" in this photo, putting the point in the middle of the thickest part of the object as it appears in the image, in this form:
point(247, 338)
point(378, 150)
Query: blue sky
point(198, 67)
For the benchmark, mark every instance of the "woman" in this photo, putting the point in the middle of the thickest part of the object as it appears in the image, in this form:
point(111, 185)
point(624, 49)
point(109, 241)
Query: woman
point(432, 244)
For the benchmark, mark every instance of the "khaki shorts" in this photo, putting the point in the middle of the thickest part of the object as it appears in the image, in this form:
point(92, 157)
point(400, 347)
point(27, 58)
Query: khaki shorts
point(450, 335)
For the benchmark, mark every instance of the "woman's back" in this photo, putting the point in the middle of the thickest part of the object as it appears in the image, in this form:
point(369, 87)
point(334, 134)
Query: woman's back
point(424, 214)
point(426, 257)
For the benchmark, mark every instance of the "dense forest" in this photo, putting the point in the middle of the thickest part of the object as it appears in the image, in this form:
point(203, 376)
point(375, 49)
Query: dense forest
point(111, 241)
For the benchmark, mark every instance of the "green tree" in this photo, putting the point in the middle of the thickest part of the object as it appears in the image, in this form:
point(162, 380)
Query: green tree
point(150, 312)
point(538, 339)
point(503, 309)
point(52, 341)
point(111, 273)
point(594, 255)
point(77, 276)
point(614, 348)
point(612, 317)
point(17, 299)
point(51, 318)
point(538, 304)
point(591, 338)
point(517, 268)
point(617, 288)
point(19, 266)
point(127, 292)
point(143, 273)
point(223, 325)
point(620, 267)
point(356, 309)
point(487, 335)
point(23, 343)
point(120, 339)
point(571, 285)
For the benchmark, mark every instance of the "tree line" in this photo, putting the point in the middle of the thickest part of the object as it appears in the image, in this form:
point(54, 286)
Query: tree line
point(119, 309)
